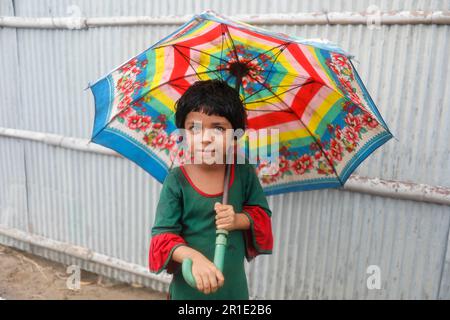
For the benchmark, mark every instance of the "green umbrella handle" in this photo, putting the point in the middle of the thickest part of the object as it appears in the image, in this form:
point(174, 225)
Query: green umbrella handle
point(221, 242)
point(186, 268)
point(219, 255)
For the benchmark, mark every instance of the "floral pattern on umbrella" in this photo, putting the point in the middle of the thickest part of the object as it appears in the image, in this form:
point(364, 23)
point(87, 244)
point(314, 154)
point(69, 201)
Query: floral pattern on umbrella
point(310, 91)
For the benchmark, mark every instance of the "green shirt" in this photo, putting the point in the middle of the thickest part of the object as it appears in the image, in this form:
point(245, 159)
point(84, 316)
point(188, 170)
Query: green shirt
point(186, 211)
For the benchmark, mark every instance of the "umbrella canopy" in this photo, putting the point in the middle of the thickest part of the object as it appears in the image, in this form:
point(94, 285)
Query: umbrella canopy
point(308, 90)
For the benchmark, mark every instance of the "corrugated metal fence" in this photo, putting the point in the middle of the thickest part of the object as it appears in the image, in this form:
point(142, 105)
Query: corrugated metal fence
point(96, 210)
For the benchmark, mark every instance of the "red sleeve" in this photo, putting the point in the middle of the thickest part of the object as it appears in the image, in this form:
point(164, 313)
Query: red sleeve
point(160, 253)
point(258, 238)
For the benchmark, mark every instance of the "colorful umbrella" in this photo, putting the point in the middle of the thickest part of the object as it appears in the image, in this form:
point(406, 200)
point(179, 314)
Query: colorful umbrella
point(308, 90)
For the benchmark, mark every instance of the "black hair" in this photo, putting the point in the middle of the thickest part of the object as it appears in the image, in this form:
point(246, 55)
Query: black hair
point(212, 97)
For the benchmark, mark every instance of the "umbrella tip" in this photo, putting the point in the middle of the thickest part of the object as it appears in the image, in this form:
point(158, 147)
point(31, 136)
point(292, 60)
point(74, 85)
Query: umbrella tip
point(88, 86)
point(395, 138)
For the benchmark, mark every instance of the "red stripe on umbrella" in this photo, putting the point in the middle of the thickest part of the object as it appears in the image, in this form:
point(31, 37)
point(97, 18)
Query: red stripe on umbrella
point(181, 65)
point(298, 54)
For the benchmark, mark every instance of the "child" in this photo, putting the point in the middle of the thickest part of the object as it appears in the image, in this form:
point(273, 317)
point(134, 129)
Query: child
point(190, 205)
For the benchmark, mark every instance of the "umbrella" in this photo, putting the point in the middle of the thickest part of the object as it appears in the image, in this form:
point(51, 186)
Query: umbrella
point(307, 91)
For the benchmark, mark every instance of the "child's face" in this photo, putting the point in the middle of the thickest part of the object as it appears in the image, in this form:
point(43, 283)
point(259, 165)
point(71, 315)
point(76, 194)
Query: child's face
point(208, 137)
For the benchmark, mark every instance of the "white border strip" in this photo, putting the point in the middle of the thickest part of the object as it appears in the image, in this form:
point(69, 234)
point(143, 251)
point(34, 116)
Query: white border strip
point(302, 18)
point(374, 186)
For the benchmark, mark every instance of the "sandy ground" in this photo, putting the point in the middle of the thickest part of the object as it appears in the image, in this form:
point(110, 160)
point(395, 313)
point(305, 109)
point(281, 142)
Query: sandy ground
point(25, 276)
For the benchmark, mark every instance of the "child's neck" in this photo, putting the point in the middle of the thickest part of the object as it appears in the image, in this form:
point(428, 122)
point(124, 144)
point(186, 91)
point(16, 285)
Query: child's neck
point(203, 167)
point(206, 177)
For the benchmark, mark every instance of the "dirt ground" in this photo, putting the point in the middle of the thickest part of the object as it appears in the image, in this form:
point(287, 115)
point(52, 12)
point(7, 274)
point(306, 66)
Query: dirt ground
point(25, 276)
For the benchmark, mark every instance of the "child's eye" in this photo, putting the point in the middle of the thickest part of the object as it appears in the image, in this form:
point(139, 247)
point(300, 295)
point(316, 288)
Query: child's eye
point(220, 129)
point(195, 128)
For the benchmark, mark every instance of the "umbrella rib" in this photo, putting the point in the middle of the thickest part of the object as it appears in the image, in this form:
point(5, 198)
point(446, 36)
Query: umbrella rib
point(321, 149)
point(291, 89)
point(327, 86)
point(277, 110)
point(226, 80)
point(237, 58)
point(287, 85)
point(178, 78)
point(261, 53)
point(189, 59)
point(270, 71)
point(221, 50)
point(232, 42)
point(171, 80)
point(345, 97)
point(294, 75)
point(234, 50)
point(267, 77)
point(333, 89)
point(190, 48)
point(193, 49)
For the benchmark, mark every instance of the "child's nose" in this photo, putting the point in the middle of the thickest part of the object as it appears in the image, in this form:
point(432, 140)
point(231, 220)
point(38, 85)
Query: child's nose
point(208, 135)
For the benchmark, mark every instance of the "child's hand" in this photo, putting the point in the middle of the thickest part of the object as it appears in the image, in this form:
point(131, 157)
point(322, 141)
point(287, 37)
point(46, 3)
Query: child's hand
point(208, 278)
point(225, 216)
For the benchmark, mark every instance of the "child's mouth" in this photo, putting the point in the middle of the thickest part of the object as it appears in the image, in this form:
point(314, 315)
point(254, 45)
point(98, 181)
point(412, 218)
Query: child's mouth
point(206, 151)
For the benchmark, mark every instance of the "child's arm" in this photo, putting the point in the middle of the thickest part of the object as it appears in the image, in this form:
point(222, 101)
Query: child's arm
point(166, 230)
point(229, 220)
point(242, 221)
point(208, 278)
point(255, 220)
point(258, 238)
point(183, 252)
